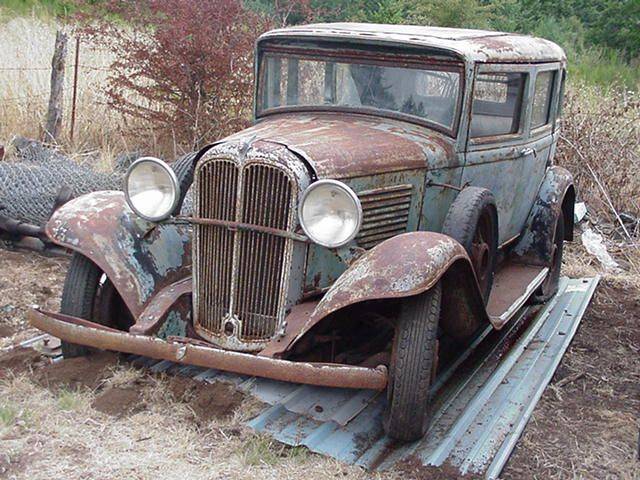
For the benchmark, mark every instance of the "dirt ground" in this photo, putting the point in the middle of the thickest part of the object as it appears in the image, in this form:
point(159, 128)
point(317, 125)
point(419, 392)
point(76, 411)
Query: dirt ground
point(102, 418)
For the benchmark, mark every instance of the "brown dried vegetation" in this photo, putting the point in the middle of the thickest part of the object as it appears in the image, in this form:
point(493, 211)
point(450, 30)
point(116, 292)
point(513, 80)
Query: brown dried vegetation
point(600, 145)
point(188, 63)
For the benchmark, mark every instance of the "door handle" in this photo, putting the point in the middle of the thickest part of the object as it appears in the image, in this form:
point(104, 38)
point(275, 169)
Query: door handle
point(527, 151)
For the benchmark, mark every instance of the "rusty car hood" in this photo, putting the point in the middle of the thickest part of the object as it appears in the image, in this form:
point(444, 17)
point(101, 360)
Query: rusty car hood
point(345, 145)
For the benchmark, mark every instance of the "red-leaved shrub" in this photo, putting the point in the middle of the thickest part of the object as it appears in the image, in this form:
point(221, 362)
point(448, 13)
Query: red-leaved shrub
point(183, 67)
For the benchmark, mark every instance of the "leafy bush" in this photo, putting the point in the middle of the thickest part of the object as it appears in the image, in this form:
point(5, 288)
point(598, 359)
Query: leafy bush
point(183, 66)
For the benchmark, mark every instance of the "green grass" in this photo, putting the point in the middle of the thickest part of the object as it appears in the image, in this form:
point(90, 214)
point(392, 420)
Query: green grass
point(40, 8)
point(8, 415)
point(596, 66)
point(261, 450)
point(69, 400)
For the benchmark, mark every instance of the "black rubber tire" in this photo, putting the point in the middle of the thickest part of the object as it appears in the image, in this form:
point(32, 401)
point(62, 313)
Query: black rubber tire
point(86, 294)
point(550, 285)
point(413, 359)
point(184, 167)
point(472, 206)
point(78, 297)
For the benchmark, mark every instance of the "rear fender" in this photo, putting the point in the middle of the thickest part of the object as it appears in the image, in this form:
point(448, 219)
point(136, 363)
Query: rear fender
point(556, 196)
point(408, 265)
point(140, 258)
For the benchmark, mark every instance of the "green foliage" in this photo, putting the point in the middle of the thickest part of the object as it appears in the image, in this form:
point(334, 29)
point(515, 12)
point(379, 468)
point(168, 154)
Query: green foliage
point(8, 415)
point(601, 37)
point(69, 400)
point(46, 8)
point(261, 450)
point(450, 13)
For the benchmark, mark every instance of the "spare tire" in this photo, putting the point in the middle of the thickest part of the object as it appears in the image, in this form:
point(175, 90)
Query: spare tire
point(184, 168)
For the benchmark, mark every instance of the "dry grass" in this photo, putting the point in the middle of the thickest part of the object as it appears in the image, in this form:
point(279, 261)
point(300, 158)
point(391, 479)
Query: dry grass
point(48, 434)
point(600, 145)
point(25, 59)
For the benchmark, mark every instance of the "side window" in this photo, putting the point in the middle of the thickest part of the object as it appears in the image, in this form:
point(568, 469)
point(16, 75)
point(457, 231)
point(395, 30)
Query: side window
point(543, 91)
point(497, 102)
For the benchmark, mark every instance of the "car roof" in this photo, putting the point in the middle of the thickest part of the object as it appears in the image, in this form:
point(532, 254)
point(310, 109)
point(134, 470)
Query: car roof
point(470, 45)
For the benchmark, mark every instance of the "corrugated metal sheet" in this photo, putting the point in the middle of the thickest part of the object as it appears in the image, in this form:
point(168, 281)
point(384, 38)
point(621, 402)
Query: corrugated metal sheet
point(484, 400)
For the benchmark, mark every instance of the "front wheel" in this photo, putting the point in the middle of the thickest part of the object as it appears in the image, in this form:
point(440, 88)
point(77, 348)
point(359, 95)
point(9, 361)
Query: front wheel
point(413, 364)
point(88, 294)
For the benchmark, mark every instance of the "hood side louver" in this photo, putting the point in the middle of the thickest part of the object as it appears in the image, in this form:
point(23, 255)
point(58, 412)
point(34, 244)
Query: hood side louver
point(385, 213)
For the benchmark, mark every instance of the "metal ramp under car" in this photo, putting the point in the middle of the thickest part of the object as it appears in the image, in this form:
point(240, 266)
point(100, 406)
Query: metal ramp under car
point(484, 401)
point(484, 397)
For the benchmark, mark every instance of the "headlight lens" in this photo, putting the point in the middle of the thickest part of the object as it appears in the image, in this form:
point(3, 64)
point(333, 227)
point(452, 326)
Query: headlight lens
point(151, 188)
point(330, 213)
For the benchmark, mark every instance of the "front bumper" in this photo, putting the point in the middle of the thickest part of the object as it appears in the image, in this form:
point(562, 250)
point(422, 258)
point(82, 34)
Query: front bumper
point(84, 332)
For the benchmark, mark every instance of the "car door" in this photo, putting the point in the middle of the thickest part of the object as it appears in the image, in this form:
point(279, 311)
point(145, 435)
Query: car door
point(501, 154)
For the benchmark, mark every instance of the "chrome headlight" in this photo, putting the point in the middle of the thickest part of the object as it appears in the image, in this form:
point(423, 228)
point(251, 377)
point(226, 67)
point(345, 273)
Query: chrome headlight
point(151, 188)
point(330, 213)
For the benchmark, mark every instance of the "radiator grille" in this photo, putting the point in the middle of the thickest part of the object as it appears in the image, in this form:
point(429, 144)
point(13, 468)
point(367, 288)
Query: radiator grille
point(385, 213)
point(242, 274)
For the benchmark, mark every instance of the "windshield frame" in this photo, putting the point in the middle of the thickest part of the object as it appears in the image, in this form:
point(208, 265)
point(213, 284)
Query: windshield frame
point(366, 57)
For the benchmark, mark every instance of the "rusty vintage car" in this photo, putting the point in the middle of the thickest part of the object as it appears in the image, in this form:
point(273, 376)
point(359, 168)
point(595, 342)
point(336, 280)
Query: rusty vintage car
point(395, 196)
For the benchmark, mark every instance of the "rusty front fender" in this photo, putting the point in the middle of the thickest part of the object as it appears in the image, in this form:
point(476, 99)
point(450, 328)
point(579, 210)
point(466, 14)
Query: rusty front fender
point(140, 258)
point(407, 265)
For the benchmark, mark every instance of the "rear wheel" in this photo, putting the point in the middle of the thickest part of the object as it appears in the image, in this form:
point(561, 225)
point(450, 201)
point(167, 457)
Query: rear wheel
point(88, 294)
point(413, 365)
point(472, 221)
point(550, 285)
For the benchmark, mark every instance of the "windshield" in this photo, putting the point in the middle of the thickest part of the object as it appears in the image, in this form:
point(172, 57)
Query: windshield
point(429, 93)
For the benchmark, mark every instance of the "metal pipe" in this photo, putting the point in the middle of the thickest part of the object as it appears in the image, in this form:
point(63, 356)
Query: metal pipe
point(16, 227)
point(84, 332)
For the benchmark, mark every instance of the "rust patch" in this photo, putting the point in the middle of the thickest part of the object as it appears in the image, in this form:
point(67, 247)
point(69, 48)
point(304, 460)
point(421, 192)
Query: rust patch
point(352, 145)
point(536, 243)
point(139, 257)
point(402, 266)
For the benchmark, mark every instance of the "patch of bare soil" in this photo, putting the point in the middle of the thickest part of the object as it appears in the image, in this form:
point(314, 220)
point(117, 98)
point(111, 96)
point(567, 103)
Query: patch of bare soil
point(412, 469)
point(207, 400)
point(19, 360)
point(587, 422)
point(27, 279)
point(76, 373)
point(7, 330)
point(119, 401)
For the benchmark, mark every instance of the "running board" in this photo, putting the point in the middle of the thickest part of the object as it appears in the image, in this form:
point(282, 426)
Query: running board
point(512, 287)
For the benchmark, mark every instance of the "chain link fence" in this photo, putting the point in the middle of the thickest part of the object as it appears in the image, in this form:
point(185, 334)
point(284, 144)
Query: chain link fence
point(32, 181)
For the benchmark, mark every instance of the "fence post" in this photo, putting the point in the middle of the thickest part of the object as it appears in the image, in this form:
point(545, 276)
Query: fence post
point(75, 89)
point(54, 112)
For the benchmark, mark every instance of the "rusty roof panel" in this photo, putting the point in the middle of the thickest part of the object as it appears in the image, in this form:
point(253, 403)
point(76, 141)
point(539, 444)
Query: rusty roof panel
point(471, 45)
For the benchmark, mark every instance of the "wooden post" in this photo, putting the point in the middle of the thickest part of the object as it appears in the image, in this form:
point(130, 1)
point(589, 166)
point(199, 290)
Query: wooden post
point(75, 89)
point(54, 112)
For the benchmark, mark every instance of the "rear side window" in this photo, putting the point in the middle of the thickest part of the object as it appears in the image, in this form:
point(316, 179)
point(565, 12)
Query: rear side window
point(497, 102)
point(541, 109)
